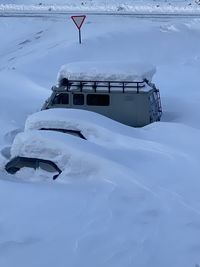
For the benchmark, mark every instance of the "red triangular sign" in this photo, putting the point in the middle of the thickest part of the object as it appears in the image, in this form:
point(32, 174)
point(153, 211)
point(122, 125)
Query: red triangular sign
point(78, 20)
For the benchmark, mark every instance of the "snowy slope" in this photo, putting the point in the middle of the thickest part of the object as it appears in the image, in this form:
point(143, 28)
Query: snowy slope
point(136, 202)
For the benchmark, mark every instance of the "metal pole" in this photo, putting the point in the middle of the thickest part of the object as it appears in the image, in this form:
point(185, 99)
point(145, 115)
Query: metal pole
point(79, 36)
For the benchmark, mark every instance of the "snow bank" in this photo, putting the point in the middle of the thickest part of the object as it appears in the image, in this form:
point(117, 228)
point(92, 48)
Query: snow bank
point(114, 71)
point(118, 157)
point(95, 127)
point(103, 135)
point(78, 158)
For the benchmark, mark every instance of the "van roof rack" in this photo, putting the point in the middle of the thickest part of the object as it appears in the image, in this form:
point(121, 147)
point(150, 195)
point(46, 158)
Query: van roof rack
point(101, 85)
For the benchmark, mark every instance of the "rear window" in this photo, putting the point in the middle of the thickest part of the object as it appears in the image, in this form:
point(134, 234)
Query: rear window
point(98, 100)
point(62, 98)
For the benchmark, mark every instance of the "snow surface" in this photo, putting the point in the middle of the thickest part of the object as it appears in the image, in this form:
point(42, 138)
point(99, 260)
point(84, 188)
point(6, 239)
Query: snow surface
point(132, 198)
point(102, 6)
point(111, 71)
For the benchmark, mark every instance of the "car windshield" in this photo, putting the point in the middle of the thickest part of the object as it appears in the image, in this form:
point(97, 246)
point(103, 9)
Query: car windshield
point(71, 132)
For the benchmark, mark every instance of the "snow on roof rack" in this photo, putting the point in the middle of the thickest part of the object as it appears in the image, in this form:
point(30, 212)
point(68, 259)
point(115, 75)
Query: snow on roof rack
point(107, 71)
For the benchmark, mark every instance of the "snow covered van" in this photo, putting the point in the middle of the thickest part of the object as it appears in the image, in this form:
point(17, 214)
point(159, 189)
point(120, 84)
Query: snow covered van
point(123, 92)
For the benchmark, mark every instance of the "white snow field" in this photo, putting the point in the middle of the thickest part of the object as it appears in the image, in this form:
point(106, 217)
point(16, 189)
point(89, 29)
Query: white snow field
point(102, 6)
point(128, 196)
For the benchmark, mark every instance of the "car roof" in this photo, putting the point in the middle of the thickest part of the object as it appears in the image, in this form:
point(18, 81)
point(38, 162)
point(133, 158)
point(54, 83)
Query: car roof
point(57, 147)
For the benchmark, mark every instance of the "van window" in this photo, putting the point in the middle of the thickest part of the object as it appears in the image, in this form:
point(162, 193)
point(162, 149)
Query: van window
point(78, 99)
point(98, 100)
point(62, 98)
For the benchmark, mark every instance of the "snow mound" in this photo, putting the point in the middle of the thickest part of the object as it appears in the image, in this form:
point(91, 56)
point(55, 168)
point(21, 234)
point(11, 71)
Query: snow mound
point(72, 155)
point(93, 126)
point(113, 71)
point(49, 145)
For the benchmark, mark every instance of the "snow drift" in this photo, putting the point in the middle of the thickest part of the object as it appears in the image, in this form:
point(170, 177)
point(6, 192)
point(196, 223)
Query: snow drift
point(111, 71)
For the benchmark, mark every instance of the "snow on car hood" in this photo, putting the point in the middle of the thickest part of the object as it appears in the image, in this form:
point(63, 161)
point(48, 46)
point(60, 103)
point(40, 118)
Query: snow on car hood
point(94, 127)
point(114, 71)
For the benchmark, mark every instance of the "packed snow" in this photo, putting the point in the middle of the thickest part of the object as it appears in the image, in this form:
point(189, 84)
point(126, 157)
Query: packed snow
point(111, 71)
point(127, 196)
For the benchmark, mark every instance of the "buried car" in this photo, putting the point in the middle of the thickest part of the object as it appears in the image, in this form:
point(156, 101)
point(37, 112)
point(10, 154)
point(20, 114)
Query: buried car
point(52, 152)
point(57, 140)
point(50, 135)
point(35, 150)
point(85, 124)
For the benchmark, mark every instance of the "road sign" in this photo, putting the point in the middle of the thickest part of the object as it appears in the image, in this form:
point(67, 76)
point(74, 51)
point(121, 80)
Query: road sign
point(78, 20)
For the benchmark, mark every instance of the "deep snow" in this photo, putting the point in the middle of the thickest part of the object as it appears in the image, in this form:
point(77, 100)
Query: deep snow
point(138, 204)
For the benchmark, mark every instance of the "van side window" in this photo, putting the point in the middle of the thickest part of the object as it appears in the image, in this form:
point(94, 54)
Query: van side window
point(98, 100)
point(61, 99)
point(78, 99)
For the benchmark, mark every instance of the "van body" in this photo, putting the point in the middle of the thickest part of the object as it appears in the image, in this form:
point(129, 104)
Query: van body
point(134, 103)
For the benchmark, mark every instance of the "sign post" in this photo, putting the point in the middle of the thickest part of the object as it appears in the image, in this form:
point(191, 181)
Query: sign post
point(79, 30)
point(78, 20)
